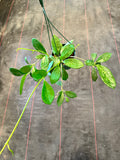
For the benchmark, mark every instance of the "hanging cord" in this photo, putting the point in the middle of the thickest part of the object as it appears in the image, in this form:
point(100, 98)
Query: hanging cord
point(47, 25)
point(47, 19)
point(55, 27)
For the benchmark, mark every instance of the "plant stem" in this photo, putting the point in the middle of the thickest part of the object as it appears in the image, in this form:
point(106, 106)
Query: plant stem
point(6, 143)
point(26, 49)
point(31, 50)
point(78, 58)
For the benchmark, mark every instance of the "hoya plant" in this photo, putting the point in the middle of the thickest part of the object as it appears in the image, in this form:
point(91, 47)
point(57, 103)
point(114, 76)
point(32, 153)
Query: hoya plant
point(55, 65)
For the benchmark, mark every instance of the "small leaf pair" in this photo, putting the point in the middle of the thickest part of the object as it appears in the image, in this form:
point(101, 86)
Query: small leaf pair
point(61, 96)
point(103, 58)
point(21, 71)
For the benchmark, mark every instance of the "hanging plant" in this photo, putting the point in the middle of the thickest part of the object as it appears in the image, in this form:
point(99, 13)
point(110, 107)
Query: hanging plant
point(55, 67)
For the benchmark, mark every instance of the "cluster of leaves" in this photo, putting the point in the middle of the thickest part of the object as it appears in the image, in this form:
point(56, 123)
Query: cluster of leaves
point(54, 67)
point(105, 74)
point(51, 65)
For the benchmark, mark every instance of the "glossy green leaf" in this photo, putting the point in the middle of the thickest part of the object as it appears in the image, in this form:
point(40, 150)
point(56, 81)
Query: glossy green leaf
point(94, 74)
point(70, 94)
point(38, 74)
point(73, 63)
point(56, 45)
point(15, 72)
point(55, 75)
point(89, 62)
point(93, 56)
point(41, 3)
point(67, 51)
point(59, 83)
point(44, 63)
point(104, 57)
point(40, 56)
point(67, 99)
point(106, 76)
point(26, 60)
point(47, 93)
point(26, 69)
point(60, 98)
point(70, 42)
point(64, 74)
point(38, 46)
point(22, 83)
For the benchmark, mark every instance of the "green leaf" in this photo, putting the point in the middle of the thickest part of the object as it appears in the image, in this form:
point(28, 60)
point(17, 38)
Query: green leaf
point(94, 74)
point(22, 83)
point(89, 62)
point(67, 99)
point(41, 3)
point(70, 94)
point(38, 46)
point(26, 60)
point(93, 56)
point(67, 51)
point(26, 69)
point(40, 56)
point(104, 57)
point(73, 63)
point(60, 98)
point(64, 74)
point(56, 45)
point(15, 72)
point(38, 74)
point(106, 76)
point(59, 83)
point(47, 93)
point(55, 76)
point(44, 63)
